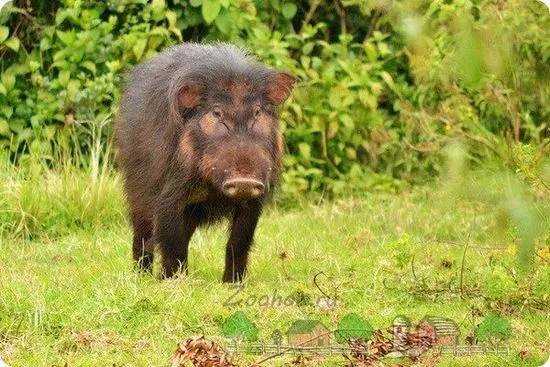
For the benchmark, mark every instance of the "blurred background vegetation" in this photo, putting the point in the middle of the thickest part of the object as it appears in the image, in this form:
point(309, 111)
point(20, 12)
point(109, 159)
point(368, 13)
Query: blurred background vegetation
point(384, 85)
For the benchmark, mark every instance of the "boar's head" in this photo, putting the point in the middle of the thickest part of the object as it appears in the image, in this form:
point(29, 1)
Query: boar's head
point(230, 127)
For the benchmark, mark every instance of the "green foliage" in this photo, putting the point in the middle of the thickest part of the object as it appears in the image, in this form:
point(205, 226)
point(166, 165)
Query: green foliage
point(493, 328)
point(353, 326)
point(239, 326)
point(499, 285)
point(383, 86)
point(532, 166)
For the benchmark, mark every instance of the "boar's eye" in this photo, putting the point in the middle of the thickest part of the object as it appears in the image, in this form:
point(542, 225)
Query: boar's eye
point(217, 113)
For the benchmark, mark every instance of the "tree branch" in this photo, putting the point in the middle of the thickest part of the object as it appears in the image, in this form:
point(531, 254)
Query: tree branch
point(342, 14)
point(309, 15)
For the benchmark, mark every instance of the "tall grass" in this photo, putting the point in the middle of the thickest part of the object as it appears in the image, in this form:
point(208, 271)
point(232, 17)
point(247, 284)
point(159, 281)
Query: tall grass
point(79, 190)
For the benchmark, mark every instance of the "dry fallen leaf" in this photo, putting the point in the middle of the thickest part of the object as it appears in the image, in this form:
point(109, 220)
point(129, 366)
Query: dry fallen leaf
point(367, 354)
point(523, 354)
point(200, 352)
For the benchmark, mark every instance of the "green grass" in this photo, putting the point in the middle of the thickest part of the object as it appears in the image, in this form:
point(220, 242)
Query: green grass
point(68, 295)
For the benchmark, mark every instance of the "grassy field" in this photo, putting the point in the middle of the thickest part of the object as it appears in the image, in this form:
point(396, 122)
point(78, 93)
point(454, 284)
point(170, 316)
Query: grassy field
point(69, 297)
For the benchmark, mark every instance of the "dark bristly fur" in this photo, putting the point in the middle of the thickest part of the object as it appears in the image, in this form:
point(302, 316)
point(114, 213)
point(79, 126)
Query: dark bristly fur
point(194, 120)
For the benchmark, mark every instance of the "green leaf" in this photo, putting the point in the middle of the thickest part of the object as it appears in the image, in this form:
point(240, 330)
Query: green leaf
point(59, 55)
point(387, 78)
point(150, 54)
point(4, 128)
point(13, 43)
point(23, 133)
point(470, 60)
point(172, 25)
point(45, 44)
point(7, 111)
point(347, 121)
point(60, 16)
point(172, 19)
point(89, 65)
point(158, 5)
point(73, 87)
point(305, 61)
point(305, 150)
point(8, 80)
point(66, 37)
point(36, 121)
point(64, 76)
point(40, 147)
point(275, 4)
point(49, 131)
point(351, 153)
point(113, 66)
point(34, 65)
point(289, 10)
point(60, 64)
point(308, 47)
point(210, 10)
point(159, 31)
point(224, 22)
point(334, 99)
point(367, 99)
point(4, 33)
point(195, 3)
point(370, 51)
point(139, 47)
point(3, 89)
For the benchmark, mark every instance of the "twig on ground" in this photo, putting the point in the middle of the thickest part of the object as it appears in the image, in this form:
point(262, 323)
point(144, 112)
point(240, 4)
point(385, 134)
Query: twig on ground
point(412, 270)
point(462, 265)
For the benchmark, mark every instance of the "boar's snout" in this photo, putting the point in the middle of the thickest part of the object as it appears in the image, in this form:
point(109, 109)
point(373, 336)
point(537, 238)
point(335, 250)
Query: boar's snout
point(242, 188)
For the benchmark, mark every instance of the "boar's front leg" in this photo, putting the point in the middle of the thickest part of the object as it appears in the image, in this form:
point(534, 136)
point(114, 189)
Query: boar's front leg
point(174, 229)
point(240, 241)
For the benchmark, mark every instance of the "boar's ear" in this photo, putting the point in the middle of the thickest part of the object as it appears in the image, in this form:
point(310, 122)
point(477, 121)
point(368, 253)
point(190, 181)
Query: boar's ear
point(279, 86)
point(189, 95)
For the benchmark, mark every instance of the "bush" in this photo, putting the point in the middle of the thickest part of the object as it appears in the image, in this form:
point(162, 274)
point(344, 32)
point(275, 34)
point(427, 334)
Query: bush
point(383, 86)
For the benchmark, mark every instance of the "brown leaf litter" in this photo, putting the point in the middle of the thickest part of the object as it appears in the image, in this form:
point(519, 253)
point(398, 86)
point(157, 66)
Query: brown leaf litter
point(200, 352)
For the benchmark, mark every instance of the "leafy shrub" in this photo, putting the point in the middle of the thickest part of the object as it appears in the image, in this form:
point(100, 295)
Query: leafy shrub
point(383, 86)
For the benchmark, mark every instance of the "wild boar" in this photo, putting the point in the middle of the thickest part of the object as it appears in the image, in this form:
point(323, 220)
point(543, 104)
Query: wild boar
point(198, 140)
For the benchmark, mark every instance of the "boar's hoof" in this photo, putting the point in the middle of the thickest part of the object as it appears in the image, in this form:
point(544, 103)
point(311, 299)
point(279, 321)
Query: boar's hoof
point(229, 277)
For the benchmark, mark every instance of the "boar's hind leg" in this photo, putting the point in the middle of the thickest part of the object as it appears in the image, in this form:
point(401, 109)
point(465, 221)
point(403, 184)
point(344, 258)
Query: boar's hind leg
point(174, 231)
point(142, 242)
point(240, 241)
